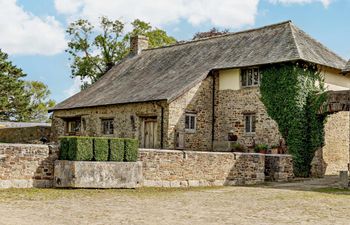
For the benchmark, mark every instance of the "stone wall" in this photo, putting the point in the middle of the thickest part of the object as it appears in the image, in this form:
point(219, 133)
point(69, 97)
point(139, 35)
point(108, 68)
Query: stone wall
point(172, 168)
point(128, 119)
point(278, 168)
point(335, 155)
point(199, 101)
point(25, 134)
point(27, 165)
point(230, 108)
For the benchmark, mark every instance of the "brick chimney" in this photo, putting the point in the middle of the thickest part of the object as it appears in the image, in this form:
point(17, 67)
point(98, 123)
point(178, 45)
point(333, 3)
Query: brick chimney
point(137, 44)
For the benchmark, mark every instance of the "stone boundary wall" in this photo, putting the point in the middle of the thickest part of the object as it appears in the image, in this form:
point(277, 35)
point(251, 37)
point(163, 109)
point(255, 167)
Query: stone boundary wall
point(27, 165)
point(25, 135)
point(278, 168)
point(172, 168)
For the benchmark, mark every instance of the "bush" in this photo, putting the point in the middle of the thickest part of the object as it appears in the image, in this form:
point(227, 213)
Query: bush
point(117, 150)
point(261, 147)
point(236, 147)
point(131, 150)
point(101, 149)
point(80, 149)
point(64, 148)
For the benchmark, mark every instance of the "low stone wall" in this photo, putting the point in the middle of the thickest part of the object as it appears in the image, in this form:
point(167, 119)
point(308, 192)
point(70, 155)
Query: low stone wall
point(172, 168)
point(27, 165)
point(278, 168)
point(80, 174)
point(31, 135)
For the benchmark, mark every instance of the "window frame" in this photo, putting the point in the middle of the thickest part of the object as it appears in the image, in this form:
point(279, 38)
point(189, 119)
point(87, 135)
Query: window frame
point(192, 121)
point(77, 129)
point(247, 73)
point(252, 123)
point(110, 125)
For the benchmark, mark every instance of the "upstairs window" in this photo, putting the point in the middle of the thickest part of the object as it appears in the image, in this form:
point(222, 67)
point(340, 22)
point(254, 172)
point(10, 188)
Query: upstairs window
point(107, 126)
point(250, 121)
point(250, 77)
point(190, 122)
point(73, 125)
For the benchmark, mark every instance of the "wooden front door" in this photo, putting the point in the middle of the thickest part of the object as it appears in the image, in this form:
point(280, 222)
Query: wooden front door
point(150, 133)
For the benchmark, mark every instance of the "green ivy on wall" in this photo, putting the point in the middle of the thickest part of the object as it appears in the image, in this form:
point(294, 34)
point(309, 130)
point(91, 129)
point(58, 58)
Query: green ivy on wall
point(293, 94)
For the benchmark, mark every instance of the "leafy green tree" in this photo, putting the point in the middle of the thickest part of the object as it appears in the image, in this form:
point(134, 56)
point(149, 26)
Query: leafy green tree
point(93, 53)
point(21, 100)
point(14, 101)
point(39, 101)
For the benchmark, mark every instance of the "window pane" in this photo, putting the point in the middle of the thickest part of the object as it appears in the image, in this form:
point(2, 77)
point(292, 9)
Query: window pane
point(256, 76)
point(253, 123)
point(192, 123)
point(250, 77)
point(247, 124)
point(187, 122)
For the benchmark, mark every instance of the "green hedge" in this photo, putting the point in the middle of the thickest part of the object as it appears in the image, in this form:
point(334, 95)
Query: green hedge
point(131, 150)
point(117, 147)
point(99, 149)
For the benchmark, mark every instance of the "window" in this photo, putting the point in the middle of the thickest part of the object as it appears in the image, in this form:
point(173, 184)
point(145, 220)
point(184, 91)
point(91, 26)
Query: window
point(107, 126)
point(250, 120)
point(250, 77)
point(190, 122)
point(73, 125)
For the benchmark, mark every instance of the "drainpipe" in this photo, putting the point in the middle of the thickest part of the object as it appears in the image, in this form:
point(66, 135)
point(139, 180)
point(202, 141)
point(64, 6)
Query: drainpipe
point(213, 113)
point(161, 125)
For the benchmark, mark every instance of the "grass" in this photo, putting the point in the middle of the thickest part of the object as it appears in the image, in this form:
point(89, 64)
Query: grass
point(43, 194)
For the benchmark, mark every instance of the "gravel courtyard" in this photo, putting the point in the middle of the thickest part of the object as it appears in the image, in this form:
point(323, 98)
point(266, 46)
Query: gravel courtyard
point(292, 203)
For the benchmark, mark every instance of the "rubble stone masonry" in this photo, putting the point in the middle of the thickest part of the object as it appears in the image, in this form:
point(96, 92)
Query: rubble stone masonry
point(27, 165)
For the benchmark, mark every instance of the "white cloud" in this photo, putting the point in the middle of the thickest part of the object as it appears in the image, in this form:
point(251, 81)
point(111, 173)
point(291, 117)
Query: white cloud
point(225, 13)
point(75, 87)
point(324, 2)
point(24, 33)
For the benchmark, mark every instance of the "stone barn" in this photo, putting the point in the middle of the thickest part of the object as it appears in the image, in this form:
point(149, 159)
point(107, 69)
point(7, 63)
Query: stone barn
point(199, 95)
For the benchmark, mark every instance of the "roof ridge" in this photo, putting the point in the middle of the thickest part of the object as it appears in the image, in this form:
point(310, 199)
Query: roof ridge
point(291, 26)
point(220, 36)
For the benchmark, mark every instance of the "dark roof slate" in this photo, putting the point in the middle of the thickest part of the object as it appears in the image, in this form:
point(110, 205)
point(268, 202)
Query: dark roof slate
point(165, 73)
point(347, 68)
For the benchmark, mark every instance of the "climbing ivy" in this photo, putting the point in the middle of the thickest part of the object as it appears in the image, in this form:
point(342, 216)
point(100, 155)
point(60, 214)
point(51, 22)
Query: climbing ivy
point(293, 94)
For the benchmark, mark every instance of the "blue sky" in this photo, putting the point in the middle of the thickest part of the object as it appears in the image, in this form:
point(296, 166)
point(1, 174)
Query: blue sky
point(33, 31)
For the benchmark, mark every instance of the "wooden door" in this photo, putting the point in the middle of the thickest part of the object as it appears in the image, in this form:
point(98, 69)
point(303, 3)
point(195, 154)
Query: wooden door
point(150, 133)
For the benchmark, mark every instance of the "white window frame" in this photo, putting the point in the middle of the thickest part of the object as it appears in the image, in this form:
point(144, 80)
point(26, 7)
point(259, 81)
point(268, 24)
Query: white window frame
point(251, 117)
point(104, 120)
point(192, 120)
point(73, 126)
point(251, 73)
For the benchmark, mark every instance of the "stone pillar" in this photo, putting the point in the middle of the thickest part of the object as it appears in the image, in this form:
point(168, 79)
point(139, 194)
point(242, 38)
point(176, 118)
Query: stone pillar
point(344, 179)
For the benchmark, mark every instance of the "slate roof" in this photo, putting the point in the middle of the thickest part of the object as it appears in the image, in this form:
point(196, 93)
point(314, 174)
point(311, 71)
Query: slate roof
point(347, 68)
point(165, 73)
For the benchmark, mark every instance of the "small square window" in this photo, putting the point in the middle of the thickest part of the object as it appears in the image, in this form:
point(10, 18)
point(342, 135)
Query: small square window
point(190, 122)
point(73, 125)
point(107, 126)
point(250, 123)
point(250, 77)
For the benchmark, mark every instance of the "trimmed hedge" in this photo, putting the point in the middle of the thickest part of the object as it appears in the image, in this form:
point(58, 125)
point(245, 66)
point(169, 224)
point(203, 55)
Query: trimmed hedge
point(117, 149)
point(99, 149)
point(131, 150)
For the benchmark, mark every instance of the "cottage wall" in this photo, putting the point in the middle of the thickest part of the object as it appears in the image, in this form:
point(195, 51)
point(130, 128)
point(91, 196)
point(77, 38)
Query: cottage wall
point(199, 101)
point(230, 107)
point(127, 120)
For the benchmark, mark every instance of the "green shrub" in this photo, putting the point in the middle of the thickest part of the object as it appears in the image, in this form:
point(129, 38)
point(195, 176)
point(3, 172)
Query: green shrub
point(237, 147)
point(80, 149)
point(64, 148)
point(131, 150)
point(261, 147)
point(116, 150)
point(101, 149)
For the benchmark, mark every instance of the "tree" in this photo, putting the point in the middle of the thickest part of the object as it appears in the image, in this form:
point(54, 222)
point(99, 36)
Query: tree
point(39, 101)
point(14, 101)
point(93, 54)
point(21, 100)
point(211, 33)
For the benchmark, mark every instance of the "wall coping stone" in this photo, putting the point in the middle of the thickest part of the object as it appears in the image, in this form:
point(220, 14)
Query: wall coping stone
point(24, 145)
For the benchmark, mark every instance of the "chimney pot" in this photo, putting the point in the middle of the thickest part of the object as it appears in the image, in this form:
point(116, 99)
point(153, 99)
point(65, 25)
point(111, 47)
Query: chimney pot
point(137, 44)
